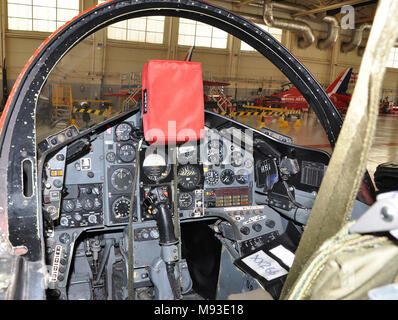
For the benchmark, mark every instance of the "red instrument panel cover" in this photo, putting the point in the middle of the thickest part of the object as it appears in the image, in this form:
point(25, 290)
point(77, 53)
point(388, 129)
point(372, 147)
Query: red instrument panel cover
point(172, 101)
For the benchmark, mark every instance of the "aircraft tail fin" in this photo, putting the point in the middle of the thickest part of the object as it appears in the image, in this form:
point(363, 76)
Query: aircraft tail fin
point(340, 85)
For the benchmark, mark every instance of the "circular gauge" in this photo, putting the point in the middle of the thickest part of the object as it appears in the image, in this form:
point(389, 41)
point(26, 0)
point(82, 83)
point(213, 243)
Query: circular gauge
point(144, 234)
point(186, 157)
point(121, 179)
point(216, 143)
point(64, 222)
point(68, 205)
point(215, 151)
point(88, 204)
point(185, 200)
point(187, 153)
point(110, 157)
point(123, 131)
point(242, 176)
point(227, 177)
point(155, 167)
point(121, 208)
point(248, 163)
point(237, 158)
point(212, 177)
point(127, 153)
point(188, 177)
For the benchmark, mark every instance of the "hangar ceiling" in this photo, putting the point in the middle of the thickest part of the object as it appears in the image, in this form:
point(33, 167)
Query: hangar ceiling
point(364, 9)
point(307, 18)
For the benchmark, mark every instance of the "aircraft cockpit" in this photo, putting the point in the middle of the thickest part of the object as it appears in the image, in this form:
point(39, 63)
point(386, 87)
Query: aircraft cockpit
point(116, 209)
point(233, 193)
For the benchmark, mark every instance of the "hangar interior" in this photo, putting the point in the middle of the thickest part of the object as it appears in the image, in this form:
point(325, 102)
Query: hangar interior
point(101, 77)
point(109, 62)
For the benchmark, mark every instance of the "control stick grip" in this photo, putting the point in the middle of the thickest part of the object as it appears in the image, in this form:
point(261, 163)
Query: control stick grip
point(165, 225)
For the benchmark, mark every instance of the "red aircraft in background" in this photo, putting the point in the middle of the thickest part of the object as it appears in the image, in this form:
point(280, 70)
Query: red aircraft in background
point(293, 99)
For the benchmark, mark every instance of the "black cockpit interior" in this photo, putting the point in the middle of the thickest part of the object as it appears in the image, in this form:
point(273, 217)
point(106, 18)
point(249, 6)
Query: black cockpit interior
point(201, 210)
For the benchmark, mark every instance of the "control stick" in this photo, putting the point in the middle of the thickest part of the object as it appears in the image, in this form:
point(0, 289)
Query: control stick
point(160, 207)
point(162, 213)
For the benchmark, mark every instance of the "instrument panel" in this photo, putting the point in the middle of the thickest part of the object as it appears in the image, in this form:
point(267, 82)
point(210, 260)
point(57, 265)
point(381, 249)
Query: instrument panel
point(82, 206)
point(220, 171)
point(228, 197)
point(216, 179)
point(98, 186)
point(155, 167)
point(228, 173)
point(119, 146)
point(216, 150)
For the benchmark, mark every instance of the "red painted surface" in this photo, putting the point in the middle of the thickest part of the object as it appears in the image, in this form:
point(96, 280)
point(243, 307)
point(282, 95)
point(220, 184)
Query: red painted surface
point(293, 99)
point(173, 104)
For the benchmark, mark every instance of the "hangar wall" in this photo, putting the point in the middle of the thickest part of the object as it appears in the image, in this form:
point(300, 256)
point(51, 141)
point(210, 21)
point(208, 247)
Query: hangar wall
point(99, 58)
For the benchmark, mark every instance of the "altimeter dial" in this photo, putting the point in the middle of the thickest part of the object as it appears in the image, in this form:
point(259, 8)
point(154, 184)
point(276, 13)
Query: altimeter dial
point(227, 177)
point(185, 200)
point(121, 208)
point(188, 177)
point(212, 177)
point(122, 179)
